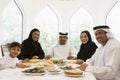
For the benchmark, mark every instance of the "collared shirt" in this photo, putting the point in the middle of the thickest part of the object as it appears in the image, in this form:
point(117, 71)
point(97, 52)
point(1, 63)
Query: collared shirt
point(8, 62)
point(105, 63)
point(62, 51)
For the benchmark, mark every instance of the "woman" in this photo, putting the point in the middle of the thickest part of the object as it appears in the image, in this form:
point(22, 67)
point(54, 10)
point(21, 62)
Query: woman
point(31, 48)
point(87, 47)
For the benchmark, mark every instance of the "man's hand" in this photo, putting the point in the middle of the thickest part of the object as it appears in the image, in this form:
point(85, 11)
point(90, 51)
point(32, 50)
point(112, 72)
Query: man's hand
point(79, 61)
point(70, 57)
point(48, 57)
point(83, 66)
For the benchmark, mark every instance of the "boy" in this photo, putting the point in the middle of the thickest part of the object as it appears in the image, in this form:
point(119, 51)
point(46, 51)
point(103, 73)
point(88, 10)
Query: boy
point(11, 60)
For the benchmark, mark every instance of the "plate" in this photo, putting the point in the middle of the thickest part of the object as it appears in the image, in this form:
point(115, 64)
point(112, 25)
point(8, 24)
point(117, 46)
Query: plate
point(73, 73)
point(33, 74)
point(36, 71)
point(54, 73)
point(53, 70)
point(69, 75)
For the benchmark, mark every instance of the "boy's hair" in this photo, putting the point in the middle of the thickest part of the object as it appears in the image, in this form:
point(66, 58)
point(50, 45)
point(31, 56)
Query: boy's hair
point(15, 44)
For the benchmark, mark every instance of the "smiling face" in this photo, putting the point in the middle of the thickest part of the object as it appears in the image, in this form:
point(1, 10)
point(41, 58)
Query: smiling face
point(35, 35)
point(84, 38)
point(101, 37)
point(14, 51)
point(63, 40)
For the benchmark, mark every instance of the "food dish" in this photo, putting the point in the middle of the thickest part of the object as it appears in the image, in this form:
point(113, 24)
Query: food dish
point(34, 60)
point(74, 65)
point(27, 64)
point(69, 75)
point(34, 71)
point(53, 70)
point(66, 67)
point(58, 61)
point(33, 74)
point(74, 73)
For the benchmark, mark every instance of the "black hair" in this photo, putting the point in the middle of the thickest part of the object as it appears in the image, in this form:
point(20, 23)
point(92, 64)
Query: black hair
point(15, 44)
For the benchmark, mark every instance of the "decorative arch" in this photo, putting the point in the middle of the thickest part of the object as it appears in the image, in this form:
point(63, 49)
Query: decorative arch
point(80, 20)
point(113, 20)
point(12, 22)
point(47, 22)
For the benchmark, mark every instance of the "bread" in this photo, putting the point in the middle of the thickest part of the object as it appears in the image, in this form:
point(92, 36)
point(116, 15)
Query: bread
point(34, 60)
point(52, 69)
point(27, 64)
point(73, 72)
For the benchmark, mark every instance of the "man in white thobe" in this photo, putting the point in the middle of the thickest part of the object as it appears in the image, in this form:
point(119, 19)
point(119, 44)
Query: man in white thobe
point(62, 49)
point(105, 63)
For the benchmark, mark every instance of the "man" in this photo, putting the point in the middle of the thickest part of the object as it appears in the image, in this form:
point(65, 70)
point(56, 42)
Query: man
point(62, 49)
point(105, 63)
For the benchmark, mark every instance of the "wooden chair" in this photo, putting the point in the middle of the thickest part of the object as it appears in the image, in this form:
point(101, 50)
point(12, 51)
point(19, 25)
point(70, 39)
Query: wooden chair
point(2, 51)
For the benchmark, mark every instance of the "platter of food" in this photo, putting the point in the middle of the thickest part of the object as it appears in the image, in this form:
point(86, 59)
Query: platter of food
point(58, 61)
point(66, 67)
point(37, 71)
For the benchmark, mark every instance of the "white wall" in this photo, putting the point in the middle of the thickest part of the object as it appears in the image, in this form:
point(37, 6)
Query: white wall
point(63, 8)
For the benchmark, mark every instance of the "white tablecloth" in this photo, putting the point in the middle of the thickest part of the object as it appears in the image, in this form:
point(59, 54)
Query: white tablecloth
point(16, 74)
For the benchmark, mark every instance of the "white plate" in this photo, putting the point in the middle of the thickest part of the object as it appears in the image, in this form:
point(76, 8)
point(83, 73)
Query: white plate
point(74, 75)
point(54, 72)
point(34, 74)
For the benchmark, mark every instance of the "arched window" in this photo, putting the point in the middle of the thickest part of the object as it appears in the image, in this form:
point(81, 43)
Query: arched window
point(47, 22)
point(113, 20)
point(12, 24)
point(81, 20)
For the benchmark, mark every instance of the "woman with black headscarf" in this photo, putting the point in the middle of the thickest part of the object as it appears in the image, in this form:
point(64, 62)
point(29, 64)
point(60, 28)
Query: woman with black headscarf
point(87, 48)
point(31, 48)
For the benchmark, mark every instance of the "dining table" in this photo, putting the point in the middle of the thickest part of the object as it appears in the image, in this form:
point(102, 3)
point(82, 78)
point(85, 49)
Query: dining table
point(18, 74)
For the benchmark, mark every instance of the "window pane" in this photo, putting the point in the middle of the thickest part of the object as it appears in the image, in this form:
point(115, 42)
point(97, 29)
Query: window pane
point(48, 25)
point(12, 24)
point(81, 20)
point(113, 20)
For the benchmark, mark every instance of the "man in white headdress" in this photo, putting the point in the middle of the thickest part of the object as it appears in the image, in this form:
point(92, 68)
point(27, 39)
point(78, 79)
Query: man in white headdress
point(62, 49)
point(105, 63)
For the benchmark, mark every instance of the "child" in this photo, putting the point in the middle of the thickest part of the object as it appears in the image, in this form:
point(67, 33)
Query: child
point(11, 60)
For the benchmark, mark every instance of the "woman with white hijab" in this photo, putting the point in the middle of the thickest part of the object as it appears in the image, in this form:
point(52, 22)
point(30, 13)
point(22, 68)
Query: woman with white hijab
point(105, 63)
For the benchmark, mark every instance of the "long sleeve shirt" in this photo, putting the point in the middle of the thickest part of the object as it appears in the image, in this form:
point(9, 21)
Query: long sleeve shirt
point(8, 62)
point(105, 63)
point(62, 51)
